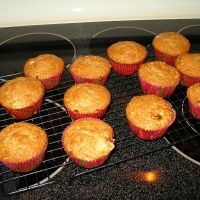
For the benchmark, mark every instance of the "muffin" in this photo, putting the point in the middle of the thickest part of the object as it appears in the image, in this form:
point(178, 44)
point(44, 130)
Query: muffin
point(158, 78)
point(188, 66)
point(87, 100)
point(88, 142)
point(126, 56)
point(193, 95)
point(90, 69)
point(22, 97)
point(22, 146)
point(47, 68)
point(169, 45)
point(149, 116)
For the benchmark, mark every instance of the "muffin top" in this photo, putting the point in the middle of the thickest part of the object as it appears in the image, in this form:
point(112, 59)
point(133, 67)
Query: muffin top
point(150, 112)
point(127, 52)
point(88, 139)
point(21, 92)
point(193, 93)
point(189, 64)
point(86, 98)
point(90, 66)
point(43, 66)
point(22, 141)
point(171, 43)
point(159, 73)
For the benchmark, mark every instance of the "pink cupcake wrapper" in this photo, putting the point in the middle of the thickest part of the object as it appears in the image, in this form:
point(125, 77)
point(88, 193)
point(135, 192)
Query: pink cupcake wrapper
point(75, 115)
point(170, 60)
point(26, 112)
point(150, 134)
point(188, 81)
point(194, 109)
point(26, 166)
point(149, 88)
point(125, 69)
point(100, 81)
point(51, 82)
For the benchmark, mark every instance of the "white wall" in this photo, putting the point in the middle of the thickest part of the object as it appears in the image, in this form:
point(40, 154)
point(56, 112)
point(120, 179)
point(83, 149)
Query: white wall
point(26, 12)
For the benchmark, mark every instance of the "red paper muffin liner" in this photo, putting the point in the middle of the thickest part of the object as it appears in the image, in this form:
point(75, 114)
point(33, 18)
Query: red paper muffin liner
point(188, 81)
point(76, 115)
point(170, 60)
point(100, 81)
point(26, 112)
point(149, 88)
point(194, 109)
point(125, 69)
point(26, 166)
point(51, 82)
point(150, 134)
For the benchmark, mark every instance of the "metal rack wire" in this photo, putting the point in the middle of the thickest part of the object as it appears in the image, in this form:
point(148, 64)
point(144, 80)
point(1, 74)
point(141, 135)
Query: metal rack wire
point(54, 118)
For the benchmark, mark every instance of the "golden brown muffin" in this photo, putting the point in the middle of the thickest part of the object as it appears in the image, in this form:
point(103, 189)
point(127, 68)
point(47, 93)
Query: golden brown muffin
point(126, 57)
point(90, 67)
point(21, 92)
point(149, 112)
point(158, 78)
point(43, 66)
point(193, 95)
point(127, 52)
point(22, 146)
point(171, 43)
point(87, 98)
point(47, 68)
point(149, 116)
point(189, 67)
point(22, 97)
point(159, 73)
point(88, 141)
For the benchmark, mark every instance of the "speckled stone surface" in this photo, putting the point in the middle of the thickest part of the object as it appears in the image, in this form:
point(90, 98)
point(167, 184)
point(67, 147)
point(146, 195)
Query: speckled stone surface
point(172, 176)
point(178, 178)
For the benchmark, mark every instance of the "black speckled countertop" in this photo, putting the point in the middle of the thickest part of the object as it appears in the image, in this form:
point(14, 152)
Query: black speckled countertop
point(178, 178)
point(161, 175)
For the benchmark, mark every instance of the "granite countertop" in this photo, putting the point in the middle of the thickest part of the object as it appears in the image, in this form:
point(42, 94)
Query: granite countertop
point(162, 175)
point(178, 178)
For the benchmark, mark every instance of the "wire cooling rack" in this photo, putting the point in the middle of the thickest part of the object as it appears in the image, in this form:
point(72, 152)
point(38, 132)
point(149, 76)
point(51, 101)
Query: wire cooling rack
point(54, 118)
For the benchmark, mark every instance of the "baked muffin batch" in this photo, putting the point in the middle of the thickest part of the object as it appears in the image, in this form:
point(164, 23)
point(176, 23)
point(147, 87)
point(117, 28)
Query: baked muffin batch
point(87, 100)
point(88, 140)
point(47, 68)
point(126, 56)
point(22, 97)
point(90, 69)
point(159, 78)
point(23, 146)
point(169, 45)
point(149, 116)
